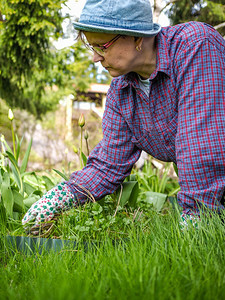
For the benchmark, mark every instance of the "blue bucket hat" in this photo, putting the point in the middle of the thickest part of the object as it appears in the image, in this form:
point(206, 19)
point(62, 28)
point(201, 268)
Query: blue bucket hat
point(128, 17)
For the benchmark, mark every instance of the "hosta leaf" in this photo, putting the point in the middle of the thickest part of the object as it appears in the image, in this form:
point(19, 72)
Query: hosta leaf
point(28, 188)
point(133, 177)
point(156, 199)
point(130, 192)
point(31, 200)
point(48, 183)
point(18, 205)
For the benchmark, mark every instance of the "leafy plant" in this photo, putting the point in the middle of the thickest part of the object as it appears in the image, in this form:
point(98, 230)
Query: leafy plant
point(141, 194)
point(156, 186)
point(19, 188)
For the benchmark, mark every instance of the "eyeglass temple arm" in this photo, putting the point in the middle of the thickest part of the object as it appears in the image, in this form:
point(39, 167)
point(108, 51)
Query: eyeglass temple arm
point(111, 42)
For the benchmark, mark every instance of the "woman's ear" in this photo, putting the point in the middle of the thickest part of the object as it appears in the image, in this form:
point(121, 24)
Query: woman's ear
point(138, 43)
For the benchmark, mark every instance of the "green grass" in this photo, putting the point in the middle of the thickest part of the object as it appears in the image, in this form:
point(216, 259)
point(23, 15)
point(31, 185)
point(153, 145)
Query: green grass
point(158, 261)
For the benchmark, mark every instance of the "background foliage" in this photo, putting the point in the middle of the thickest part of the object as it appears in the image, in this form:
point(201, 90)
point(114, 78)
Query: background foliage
point(27, 26)
point(34, 74)
point(211, 12)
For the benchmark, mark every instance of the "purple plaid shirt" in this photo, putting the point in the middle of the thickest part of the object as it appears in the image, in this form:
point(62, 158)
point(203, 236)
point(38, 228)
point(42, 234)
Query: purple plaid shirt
point(182, 120)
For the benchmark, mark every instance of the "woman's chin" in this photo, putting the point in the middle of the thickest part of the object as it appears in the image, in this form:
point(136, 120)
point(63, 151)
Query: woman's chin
point(114, 73)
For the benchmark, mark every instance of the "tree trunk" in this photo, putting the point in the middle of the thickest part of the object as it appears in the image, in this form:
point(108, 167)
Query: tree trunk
point(157, 7)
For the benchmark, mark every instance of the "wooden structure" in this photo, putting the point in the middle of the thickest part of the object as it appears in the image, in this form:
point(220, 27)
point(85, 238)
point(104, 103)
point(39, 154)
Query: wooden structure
point(94, 99)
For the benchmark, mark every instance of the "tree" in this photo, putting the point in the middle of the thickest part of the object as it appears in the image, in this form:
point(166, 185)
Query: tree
point(26, 30)
point(211, 12)
point(34, 75)
point(157, 7)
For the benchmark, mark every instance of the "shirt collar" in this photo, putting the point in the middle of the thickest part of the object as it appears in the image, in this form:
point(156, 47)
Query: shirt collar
point(162, 58)
point(130, 78)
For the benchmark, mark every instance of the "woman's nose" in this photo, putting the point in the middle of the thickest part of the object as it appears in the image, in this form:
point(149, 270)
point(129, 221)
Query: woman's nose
point(97, 57)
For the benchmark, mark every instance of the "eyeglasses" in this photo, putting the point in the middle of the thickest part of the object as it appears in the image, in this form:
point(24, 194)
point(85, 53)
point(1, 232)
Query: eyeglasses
point(101, 49)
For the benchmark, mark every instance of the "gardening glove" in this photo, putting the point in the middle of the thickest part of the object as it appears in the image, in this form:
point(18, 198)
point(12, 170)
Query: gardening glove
point(187, 221)
point(56, 200)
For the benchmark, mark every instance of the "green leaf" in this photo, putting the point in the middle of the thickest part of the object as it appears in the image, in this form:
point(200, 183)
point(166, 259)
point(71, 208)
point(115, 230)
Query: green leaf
point(48, 183)
point(2, 171)
point(31, 200)
point(174, 192)
point(34, 183)
point(96, 209)
point(28, 188)
point(26, 157)
point(3, 216)
point(16, 215)
point(7, 146)
point(18, 142)
point(84, 159)
point(7, 195)
point(61, 174)
point(15, 170)
point(132, 177)
point(163, 181)
point(130, 191)
point(18, 205)
point(156, 199)
point(175, 168)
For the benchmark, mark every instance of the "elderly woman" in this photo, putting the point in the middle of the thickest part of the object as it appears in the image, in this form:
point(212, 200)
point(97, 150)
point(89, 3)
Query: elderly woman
point(167, 98)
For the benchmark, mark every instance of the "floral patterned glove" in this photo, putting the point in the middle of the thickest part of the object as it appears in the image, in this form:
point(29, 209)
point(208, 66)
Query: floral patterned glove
point(54, 201)
point(188, 221)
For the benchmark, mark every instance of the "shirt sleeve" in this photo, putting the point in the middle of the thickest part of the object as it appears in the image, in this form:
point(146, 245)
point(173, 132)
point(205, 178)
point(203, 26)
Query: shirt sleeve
point(111, 160)
point(200, 140)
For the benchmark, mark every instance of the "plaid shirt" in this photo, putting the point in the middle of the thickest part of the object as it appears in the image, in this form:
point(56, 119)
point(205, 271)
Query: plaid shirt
point(182, 120)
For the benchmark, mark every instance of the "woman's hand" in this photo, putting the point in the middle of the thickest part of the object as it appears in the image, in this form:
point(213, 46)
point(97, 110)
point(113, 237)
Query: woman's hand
point(56, 200)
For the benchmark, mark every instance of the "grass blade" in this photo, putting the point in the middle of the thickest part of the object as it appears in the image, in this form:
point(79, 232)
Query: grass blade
point(61, 174)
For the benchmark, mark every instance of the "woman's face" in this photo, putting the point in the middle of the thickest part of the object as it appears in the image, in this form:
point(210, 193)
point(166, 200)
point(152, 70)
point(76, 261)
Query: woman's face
point(120, 58)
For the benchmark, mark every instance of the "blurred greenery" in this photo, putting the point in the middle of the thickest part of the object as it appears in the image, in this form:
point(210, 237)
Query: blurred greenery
point(211, 12)
point(35, 75)
point(26, 59)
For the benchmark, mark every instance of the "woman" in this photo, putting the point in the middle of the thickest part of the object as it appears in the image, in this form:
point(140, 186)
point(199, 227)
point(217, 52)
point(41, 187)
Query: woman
point(167, 98)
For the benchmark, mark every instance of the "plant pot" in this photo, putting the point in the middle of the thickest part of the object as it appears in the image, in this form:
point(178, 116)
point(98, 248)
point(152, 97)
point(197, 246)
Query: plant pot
point(30, 245)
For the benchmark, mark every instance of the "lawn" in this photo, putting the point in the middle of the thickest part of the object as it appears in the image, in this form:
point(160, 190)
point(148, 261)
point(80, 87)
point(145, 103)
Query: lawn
point(129, 245)
point(156, 260)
